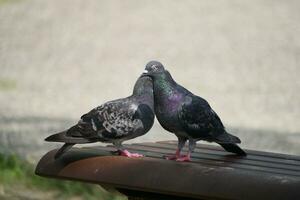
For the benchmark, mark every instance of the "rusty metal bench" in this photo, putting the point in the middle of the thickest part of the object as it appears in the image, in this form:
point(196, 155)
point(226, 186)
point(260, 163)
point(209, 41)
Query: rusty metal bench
point(213, 174)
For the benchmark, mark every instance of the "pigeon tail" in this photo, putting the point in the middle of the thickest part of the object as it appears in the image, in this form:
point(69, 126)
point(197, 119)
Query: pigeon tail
point(63, 137)
point(227, 138)
point(63, 149)
point(58, 137)
point(233, 148)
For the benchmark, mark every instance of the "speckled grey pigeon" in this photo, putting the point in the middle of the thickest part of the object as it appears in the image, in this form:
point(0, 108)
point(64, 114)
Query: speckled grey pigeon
point(188, 116)
point(114, 121)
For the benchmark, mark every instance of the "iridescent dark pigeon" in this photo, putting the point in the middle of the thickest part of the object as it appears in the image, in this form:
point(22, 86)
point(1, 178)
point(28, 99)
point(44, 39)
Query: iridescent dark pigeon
point(114, 121)
point(188, 116)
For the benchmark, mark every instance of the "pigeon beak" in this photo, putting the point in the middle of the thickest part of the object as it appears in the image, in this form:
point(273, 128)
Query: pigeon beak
point(146, 73)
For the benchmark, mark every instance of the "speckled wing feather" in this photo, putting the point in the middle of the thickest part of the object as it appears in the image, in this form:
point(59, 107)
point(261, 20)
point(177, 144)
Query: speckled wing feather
point(198, 118)
point(116, 117)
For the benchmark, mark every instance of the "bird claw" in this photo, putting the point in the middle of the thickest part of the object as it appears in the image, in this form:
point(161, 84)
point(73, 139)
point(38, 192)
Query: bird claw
point(136, 155)
point(184, 159)
point(130, 155)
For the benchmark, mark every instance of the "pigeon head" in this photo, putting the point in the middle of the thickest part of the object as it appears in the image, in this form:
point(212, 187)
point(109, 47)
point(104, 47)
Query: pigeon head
point(143, 86)
point(153, 67)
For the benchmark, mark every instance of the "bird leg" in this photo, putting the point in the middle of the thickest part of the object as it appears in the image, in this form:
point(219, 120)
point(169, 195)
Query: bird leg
point(174, 157)
point(187, 158)
point(126, 153)
point(181, 143)
point(130, 155)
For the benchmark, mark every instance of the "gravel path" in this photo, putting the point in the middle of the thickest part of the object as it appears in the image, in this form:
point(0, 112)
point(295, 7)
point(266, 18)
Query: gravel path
point(60, 58)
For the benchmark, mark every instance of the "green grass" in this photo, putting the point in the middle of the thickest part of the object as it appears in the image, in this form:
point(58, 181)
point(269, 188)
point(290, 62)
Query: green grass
point(15, 171)
point(7, 1)
point(7, 84)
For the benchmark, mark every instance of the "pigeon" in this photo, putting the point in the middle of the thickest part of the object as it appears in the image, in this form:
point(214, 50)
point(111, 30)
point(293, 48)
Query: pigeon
point(188, 116)
point(114, 121)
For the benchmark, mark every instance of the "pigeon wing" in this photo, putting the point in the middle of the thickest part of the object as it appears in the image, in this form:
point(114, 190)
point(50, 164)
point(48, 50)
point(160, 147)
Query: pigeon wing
point(198, 118)
point(118, 119)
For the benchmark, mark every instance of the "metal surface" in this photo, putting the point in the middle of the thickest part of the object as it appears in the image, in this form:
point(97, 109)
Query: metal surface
point(213, 174)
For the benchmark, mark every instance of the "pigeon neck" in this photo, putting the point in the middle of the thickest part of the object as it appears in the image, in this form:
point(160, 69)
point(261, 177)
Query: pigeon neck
point(165, 77)
point(164, 84)
point(143, 87)
point(143, 91)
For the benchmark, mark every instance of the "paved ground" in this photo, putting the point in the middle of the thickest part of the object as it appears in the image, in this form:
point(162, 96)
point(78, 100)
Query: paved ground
point(60, 58)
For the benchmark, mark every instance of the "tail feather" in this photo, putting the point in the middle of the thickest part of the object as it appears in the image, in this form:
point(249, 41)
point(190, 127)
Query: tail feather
point(233, 148)
point(63, 137)
point(58, 137)
point(227, 138)
point(63, 149)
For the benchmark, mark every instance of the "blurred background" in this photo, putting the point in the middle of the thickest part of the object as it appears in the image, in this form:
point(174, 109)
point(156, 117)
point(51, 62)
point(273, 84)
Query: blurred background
point(61, 58)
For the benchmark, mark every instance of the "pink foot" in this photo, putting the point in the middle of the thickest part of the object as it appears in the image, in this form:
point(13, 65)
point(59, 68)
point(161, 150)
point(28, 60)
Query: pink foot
point(174, 157)
point(186, 158)
point(130, 155)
